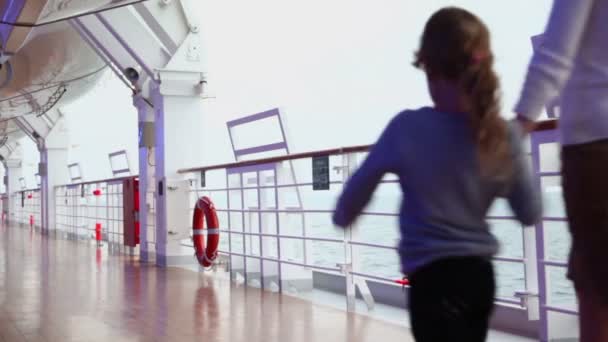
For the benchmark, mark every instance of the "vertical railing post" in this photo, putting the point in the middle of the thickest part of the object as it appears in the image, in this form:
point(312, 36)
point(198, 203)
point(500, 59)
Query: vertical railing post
point(531, 295)
point(110, 231)
point(278, 230)
point(109, 223)
point(57, 206)
point(243, 230)
point(349, 164)
point(229, 227)
point(75, 213)
point(260, 225)
point(537, 139)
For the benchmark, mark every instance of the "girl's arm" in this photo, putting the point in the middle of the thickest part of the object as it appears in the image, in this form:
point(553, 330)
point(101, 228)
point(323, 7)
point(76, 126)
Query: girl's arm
point(360, 187)
point(523, 196)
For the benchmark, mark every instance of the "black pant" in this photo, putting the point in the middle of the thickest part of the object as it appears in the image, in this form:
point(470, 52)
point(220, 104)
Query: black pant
point(585, 182)
point(452, 300)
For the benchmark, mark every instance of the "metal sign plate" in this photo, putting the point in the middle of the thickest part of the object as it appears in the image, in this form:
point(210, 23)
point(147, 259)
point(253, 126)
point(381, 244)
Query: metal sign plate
point(320, 173)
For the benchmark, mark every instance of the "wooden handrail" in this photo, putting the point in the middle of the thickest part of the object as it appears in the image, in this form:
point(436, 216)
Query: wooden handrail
point(541, 126)
point(546, 125)
point(117, 179)
point(330, 152)
point(30, 190)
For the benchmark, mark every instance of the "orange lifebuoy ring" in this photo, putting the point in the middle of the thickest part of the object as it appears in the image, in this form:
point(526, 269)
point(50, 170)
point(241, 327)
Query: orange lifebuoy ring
point(205, 211)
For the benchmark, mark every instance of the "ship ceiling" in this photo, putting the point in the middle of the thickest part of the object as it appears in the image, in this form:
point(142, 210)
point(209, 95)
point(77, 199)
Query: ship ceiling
point(60, 10)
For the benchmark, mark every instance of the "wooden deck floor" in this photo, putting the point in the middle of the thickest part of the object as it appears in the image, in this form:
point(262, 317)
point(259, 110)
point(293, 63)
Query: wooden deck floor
point(59, 290)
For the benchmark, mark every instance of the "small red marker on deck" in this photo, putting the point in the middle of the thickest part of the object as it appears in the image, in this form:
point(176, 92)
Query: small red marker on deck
point(98, 233)
point(403, 282)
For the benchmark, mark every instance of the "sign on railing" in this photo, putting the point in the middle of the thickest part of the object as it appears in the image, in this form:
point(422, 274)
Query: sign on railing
point(320, 173)
point(119, 163)
point(75, 172)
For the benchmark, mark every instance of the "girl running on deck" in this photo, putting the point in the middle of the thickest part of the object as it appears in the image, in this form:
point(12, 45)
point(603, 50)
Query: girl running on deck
point(453, 160)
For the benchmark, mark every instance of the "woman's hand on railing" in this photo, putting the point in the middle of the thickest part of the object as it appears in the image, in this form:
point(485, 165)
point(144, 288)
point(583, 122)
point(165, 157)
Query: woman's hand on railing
point(526, 124)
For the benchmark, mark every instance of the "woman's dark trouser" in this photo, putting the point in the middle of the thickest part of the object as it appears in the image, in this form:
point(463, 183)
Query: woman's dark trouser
point(452, 300)
point(585, 184)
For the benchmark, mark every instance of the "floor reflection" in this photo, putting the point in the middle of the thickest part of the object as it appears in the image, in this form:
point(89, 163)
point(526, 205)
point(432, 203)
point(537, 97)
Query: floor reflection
point(54, 289)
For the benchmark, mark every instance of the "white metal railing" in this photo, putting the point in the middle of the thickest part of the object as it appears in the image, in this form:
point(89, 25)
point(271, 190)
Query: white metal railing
point(557, 316)
point(27, 207)
point(239, 194)
point(273, 239)
point(259, 243)
point(149, 208)
point(80, 207)
point(347, 242)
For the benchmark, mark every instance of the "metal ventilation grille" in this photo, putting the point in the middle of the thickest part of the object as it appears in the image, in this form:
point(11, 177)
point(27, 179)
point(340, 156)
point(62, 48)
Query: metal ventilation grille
point(52, 101)
point(3, 140)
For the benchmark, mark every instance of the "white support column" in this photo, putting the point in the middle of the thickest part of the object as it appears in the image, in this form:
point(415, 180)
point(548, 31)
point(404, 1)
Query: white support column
point(178, 122)
point(159, 46)
point(53, 170)
point(13, 186)
point(146, 172)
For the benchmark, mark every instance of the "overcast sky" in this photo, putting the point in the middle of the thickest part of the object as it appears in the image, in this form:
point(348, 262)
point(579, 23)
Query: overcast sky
point(338, 69)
